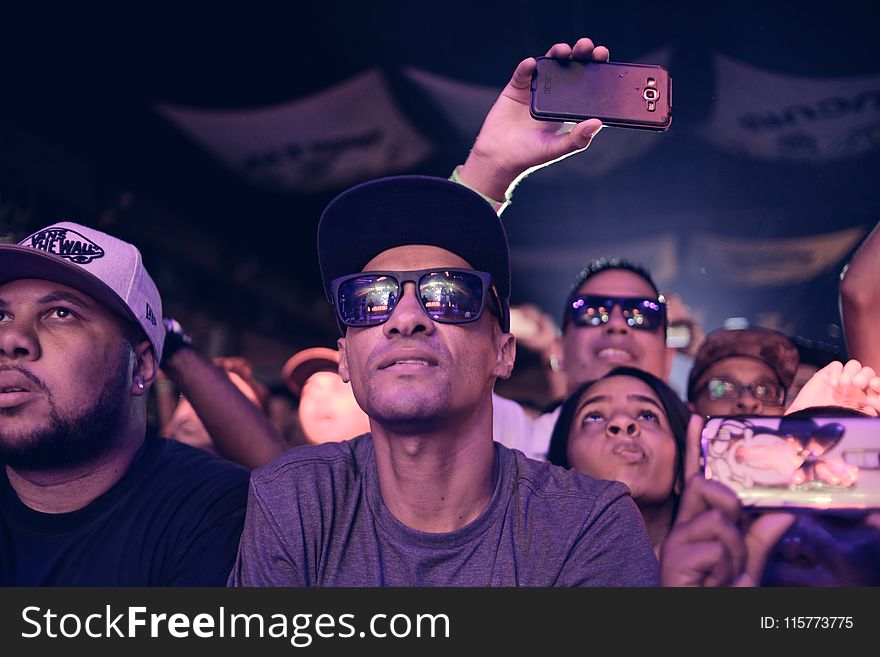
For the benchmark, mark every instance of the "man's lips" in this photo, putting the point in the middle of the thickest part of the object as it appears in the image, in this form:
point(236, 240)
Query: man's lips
point(12, 381)
point(615, 355)
point(407, 359)
point(15, 389)
point(11, 397)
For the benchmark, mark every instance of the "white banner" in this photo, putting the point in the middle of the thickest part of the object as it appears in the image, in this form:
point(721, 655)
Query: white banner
point(774, 116)
point(346, 134)
point(761, 262)
point(659, 254)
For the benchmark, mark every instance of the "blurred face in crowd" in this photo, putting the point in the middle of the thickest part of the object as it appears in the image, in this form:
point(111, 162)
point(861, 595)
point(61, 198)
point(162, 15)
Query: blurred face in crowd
point(739, 386)
point(826, 550)
point(620, 432)
point(66, 375)
point(328, 411)
point(590, 352)
point(282, 412)
point(414, 373)
point(186, 426)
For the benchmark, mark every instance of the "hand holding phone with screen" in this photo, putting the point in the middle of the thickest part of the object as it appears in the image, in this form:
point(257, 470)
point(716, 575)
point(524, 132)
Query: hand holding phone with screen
point(824, 463)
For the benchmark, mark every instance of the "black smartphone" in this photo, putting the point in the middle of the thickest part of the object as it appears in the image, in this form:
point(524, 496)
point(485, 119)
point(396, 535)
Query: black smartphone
point(827, 463)
point(621, 95)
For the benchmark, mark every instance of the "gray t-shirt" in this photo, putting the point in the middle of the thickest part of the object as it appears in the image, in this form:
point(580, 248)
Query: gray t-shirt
point(316, 517)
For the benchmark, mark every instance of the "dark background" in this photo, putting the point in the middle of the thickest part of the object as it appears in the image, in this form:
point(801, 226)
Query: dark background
point(80, 139)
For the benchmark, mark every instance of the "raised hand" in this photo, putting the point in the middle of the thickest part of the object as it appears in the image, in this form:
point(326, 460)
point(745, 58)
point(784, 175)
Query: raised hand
point(852, 385)
point(511, 144)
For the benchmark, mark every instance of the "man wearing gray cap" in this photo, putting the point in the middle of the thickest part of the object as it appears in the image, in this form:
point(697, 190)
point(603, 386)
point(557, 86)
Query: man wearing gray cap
point(418, 272)
point(86, 498)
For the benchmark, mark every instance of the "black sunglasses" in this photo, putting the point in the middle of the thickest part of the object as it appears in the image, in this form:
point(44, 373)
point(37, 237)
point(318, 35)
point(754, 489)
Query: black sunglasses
point(448, 296)
point(639, 312)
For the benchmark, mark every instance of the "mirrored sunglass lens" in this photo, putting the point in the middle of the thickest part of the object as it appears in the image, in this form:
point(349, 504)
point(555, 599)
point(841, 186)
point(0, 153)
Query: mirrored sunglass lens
point(642, 313)
point(589, 311)
point(451, 296)
point(366, 300)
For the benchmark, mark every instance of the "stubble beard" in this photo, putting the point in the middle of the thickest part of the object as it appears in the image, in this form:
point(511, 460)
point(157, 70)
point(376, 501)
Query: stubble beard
point(405, 409)
point(68, 439)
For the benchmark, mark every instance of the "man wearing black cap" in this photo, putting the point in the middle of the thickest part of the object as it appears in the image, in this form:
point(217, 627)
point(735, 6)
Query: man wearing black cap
point(418, 272)
point(85, 498)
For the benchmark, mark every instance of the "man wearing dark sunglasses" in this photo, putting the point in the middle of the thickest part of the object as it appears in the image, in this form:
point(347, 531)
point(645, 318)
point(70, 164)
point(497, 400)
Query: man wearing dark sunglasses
point(417, 270)
point(614, 315)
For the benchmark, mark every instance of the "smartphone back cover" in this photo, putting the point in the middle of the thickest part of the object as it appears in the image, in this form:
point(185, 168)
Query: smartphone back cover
point(619, 94)
point(773, 462)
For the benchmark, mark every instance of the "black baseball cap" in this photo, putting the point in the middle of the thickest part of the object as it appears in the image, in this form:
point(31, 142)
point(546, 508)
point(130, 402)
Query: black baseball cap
point(380, 214)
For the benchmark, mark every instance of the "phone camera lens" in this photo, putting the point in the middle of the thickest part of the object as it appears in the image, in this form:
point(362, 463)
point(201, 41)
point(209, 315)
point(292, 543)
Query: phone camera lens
point(651, 94)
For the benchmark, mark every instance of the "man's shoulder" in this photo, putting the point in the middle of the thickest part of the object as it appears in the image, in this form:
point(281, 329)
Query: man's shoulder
point(306, 463)
point(173, 470)
point(174, 456)
point(546, 480)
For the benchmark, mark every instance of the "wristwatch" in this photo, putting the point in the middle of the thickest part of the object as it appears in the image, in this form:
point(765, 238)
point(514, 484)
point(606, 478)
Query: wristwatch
point(176, 338)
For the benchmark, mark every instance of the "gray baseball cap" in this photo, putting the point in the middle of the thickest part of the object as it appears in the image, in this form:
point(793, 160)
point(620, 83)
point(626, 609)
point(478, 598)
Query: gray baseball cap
point(100, 265)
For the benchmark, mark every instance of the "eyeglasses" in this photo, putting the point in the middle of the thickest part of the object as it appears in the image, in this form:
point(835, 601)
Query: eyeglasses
point(448, 296)
point(638, 312)
point(768, 393)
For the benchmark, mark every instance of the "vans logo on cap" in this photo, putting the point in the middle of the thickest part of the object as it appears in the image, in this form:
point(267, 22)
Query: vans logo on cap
point(65, 243)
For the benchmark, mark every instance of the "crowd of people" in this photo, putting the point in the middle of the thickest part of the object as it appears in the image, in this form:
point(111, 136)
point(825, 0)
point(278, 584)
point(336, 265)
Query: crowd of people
point(400, 460)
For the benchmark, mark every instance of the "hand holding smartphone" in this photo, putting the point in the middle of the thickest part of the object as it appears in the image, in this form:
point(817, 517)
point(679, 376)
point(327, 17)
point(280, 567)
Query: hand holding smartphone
point(637, 96)
point(820, 463)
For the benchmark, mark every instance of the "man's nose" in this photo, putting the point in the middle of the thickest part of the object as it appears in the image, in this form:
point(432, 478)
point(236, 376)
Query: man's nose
point(616, 321)
point(408, 317)
point(18, 341)
point(747, 404)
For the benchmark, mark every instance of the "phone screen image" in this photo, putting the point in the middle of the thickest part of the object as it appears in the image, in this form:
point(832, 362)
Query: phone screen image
point(778, 462)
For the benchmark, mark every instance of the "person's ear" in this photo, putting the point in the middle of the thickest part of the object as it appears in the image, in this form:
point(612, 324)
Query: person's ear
point(145, 369)
point(344, 372)
point(505, 354)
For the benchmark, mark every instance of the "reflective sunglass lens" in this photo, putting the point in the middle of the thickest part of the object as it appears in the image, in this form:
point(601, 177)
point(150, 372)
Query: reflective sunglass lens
point(451, 297)
point(367, 300)
point(638, 313)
